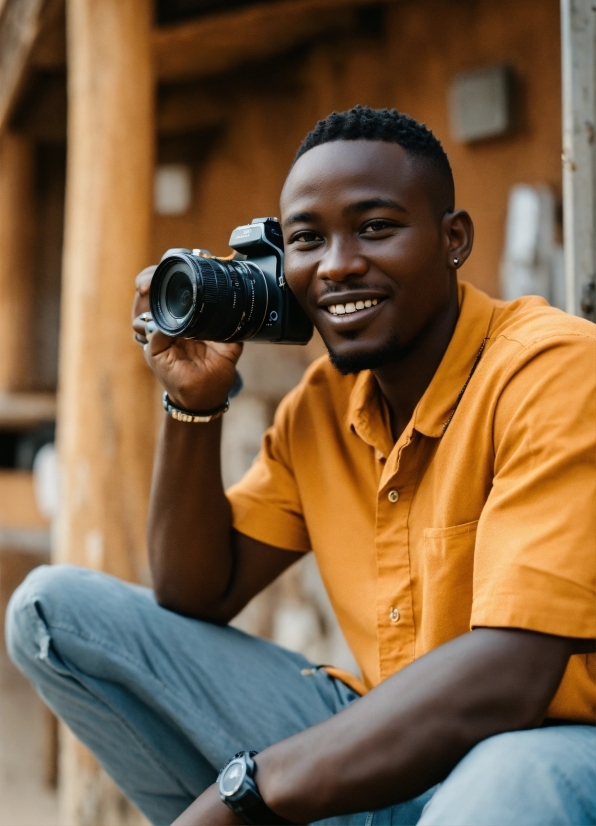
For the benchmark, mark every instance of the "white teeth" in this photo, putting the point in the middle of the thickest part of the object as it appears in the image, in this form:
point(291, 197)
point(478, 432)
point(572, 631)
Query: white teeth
point(352, 307)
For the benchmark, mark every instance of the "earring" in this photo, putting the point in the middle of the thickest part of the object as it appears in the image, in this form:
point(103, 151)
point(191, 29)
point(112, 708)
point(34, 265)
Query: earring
point(456, 261)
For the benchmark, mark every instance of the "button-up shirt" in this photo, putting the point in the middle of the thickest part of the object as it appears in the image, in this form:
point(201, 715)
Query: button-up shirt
point(482, 513)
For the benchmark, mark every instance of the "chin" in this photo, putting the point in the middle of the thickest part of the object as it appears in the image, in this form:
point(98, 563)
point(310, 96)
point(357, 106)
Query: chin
point(348, 363)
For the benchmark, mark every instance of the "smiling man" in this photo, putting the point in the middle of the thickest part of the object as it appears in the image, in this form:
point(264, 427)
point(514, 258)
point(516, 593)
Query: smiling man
point(440, 464)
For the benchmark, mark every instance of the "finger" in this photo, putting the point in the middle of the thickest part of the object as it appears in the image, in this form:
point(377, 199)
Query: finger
point(139, 322)
point(231, 350)
point(140, 339)
point(143, 279)
point(157, 343)
point(140, 305)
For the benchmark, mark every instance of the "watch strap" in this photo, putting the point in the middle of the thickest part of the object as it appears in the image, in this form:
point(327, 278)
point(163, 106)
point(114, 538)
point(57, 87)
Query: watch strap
point(247, 802)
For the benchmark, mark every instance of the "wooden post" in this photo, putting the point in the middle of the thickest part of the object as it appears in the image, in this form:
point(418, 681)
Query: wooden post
point(17, 208)
point(106, 393)
point(578, 33)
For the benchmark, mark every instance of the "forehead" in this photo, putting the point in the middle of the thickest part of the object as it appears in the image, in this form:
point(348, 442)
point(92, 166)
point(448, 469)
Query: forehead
point(346, 170)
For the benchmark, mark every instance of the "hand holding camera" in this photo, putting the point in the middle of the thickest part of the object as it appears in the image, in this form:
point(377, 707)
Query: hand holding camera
point(197, 375)
point(196, 309)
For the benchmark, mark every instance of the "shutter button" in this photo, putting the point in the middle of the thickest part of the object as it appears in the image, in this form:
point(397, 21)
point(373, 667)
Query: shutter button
point(393, 496)
point(394, 615)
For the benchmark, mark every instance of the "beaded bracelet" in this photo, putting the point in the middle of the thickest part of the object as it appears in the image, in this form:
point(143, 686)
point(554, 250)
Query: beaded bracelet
point(194, 416)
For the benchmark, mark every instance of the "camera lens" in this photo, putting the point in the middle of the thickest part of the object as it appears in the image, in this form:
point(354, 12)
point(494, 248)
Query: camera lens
point(208, 298)
point(179, 294)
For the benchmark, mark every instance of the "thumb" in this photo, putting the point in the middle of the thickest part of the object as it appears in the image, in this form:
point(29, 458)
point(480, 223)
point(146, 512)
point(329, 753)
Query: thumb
point(157, 343)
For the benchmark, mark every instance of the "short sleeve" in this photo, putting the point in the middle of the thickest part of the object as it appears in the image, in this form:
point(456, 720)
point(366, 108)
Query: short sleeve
point(266, 502)
point(535, 556)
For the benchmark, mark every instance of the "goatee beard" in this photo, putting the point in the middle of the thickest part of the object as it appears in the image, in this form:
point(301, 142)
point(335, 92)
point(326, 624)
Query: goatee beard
point(392, 352)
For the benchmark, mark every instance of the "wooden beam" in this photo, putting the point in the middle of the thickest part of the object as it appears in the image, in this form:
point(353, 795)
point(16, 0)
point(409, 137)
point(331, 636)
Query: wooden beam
point(22, 411)
point(106, 401)
point(19, 28)
point(49, 49)
point(17, 216)
point(106, 393)
point(216, 43)
point(578, 32)
point(21, 24)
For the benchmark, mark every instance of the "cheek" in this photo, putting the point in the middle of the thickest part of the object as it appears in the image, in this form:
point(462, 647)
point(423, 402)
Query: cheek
point(298, 279)
point(417, 251)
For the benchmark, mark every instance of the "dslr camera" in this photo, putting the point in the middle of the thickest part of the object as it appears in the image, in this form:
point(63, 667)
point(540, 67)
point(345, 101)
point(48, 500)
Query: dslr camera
point(196, 295)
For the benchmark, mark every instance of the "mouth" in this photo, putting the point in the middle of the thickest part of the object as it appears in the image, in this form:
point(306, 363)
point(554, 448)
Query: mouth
point(351, 312)
point(352, 306)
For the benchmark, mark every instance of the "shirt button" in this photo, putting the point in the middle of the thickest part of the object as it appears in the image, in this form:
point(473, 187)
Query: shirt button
point(393, 496)
point(394, 615)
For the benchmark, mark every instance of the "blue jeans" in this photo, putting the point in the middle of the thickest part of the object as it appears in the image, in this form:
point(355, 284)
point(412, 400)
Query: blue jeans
point(163, 701)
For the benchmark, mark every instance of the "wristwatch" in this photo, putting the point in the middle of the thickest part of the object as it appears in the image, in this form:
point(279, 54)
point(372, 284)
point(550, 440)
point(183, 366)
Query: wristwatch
point(239, 791)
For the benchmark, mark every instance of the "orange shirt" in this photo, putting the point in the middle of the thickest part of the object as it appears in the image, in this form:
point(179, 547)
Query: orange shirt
point(485, 516)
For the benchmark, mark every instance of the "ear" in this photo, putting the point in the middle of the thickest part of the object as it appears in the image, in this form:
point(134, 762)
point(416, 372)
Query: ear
point(458, 232)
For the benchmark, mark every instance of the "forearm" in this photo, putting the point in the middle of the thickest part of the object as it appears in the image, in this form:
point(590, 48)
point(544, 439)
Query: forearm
point(190, 523)
point(407, 734)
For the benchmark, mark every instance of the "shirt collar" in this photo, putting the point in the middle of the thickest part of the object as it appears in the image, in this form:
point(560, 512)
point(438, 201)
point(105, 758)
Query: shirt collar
point(367, 411)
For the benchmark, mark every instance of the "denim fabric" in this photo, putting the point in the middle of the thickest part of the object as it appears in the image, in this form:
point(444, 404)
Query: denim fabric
point(163, 701)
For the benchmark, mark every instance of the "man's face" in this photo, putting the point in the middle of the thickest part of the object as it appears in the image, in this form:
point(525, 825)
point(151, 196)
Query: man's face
point(366, 249)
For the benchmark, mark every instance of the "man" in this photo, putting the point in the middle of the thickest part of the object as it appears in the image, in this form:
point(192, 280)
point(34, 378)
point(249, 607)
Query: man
point(440, 464)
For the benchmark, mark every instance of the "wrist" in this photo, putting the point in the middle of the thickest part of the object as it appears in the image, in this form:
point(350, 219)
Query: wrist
point(239, 790)
point(277, 785)
point(208, 810)
point(194, 416)
point(209, 400)
point(295, 783)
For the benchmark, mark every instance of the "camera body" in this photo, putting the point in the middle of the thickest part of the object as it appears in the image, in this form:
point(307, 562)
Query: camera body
point(196, 295)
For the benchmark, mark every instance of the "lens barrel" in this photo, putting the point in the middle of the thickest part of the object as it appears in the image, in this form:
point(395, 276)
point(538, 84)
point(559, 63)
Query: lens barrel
point(208, 298)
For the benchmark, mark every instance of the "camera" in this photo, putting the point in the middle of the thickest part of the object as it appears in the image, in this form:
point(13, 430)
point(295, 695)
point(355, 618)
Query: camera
point(196, 295)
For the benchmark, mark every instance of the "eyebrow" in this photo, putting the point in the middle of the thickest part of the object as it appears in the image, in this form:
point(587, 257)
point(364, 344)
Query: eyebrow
point(300, 218)
point(358, 206)
point(372, 203)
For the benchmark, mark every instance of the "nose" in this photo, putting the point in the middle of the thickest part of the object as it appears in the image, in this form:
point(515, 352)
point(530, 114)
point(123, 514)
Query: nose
point(340, 261)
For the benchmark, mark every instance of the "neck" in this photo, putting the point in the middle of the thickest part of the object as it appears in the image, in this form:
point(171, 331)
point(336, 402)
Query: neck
point(404, 382)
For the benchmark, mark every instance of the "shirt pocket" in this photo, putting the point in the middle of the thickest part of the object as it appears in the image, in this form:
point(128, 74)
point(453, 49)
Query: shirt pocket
point(447, 583)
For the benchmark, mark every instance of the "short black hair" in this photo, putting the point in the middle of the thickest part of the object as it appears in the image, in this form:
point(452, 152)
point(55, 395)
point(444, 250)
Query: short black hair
point(388, 125)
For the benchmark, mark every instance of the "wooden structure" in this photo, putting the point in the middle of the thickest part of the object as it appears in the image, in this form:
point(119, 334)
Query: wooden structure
point(578, 28)
point(228, 90)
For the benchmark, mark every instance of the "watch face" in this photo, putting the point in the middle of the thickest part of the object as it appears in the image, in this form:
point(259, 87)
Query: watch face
point(232, 778)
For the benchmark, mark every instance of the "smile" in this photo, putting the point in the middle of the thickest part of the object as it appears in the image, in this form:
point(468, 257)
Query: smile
point(352, 306)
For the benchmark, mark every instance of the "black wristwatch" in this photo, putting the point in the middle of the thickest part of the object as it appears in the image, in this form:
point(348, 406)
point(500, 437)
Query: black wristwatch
point(239, 791)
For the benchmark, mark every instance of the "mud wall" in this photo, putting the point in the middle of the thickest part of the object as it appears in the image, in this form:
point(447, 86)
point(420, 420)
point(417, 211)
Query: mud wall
point(404, 55)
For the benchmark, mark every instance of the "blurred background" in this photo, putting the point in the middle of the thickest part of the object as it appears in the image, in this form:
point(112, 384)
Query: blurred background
point(131, 126)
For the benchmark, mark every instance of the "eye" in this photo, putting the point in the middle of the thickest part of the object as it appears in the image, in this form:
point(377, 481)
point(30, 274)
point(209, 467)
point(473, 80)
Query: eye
point(377, 226)
point(305, 237)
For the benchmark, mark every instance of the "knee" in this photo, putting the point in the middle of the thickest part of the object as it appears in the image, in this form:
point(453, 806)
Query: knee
point(509, 774)
point(512, 754)
point(34, 600)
